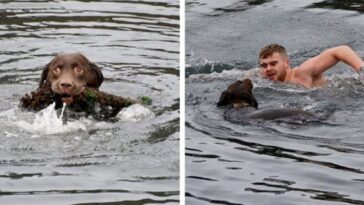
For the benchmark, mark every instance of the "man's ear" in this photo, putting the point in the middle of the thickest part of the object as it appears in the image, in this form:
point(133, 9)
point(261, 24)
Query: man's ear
point(224, 99)
point(287, 61)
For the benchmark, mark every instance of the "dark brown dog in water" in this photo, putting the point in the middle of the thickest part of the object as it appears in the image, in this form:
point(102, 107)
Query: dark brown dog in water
point(69, 73)
point(70, 78)
point(240, 96)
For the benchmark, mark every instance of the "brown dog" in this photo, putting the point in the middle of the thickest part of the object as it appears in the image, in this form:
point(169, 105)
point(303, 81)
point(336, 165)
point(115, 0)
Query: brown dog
point(239, 94)
point(69, 73)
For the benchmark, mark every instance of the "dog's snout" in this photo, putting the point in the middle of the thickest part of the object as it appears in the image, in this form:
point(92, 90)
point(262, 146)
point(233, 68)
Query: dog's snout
point(65, 84)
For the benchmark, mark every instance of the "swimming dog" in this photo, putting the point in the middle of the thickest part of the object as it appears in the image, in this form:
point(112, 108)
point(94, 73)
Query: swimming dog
point(243, 106)
point(69, 73)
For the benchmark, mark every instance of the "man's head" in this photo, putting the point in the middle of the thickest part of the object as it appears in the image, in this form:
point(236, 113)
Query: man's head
point(273, 61)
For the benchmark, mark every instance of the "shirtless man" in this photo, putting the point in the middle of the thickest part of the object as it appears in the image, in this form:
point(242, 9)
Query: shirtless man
point(274, 64)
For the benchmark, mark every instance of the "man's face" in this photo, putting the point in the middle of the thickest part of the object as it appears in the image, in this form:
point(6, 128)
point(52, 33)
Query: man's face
point(274, 67)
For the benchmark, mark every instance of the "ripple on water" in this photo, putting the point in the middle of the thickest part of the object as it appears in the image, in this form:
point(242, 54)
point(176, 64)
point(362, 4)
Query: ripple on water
point(252, 163)
point(136, 45)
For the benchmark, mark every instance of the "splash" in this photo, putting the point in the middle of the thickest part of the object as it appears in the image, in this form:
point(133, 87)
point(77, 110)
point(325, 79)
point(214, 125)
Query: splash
point(63, 108)
point(135, 113)
point(47, 122)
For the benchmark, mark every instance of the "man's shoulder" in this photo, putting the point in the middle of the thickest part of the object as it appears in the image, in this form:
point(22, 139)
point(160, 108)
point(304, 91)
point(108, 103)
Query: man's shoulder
point(301, 76)
point(300, 71)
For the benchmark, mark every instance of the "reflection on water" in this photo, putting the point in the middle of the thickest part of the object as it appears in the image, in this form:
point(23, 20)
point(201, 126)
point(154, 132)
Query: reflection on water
point(351, 5)
point(132, 160)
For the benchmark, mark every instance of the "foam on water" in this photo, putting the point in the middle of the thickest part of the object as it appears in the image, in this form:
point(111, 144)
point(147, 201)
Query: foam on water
point(47, 122)
point(224, 75)
point(342, 81)
point(135, 113)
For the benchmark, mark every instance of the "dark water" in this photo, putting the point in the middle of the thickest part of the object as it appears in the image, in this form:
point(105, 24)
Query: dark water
point(282, 161)
point(130, 161)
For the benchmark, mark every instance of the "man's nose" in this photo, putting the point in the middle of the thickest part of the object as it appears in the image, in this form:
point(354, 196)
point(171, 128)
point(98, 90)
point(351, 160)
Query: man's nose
point(269, 67)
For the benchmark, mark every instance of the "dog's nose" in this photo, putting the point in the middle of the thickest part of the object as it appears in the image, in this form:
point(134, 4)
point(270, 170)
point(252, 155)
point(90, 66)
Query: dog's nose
point(65, 85)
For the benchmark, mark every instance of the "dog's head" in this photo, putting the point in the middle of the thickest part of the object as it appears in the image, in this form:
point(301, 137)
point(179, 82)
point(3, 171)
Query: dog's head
point(239, 94)
point(69, 73)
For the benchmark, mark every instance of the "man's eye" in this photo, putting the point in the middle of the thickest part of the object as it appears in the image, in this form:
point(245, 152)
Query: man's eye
point(263, 65)
point(273, 63)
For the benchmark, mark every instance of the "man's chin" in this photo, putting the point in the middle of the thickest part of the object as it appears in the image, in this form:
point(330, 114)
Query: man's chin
point(272, 77)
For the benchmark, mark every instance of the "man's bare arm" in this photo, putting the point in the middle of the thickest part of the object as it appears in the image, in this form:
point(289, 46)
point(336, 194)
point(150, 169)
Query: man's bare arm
point(317, 65)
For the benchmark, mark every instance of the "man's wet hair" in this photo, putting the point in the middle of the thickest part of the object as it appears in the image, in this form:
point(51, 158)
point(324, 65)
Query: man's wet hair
point(268, 50)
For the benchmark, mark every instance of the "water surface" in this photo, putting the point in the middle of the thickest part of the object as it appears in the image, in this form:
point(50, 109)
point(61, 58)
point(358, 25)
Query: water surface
point(282, 161)
point(124, 161)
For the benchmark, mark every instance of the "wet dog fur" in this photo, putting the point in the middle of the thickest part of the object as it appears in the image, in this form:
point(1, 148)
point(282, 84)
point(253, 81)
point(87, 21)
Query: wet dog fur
point(239, 94)
point(239, 98)
point(69, 73)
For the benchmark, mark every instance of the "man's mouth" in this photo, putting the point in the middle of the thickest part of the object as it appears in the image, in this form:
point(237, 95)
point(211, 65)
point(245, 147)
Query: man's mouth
point(270, 75)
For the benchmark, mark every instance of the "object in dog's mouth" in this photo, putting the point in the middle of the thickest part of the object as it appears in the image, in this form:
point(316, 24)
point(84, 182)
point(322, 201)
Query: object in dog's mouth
point(70, 78)
point(66, 98)
point(100, 105)
point(240, 97)
point(238, 94)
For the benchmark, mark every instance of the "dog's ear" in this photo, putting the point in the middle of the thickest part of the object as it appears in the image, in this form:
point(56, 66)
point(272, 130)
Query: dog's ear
point(247, 83)
point(224, 99)
point(44, 75)
point(97, 73)
point(253, 102)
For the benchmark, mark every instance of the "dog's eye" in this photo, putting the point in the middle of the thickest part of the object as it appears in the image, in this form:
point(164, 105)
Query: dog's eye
point(57, 70)
point(78, 70)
